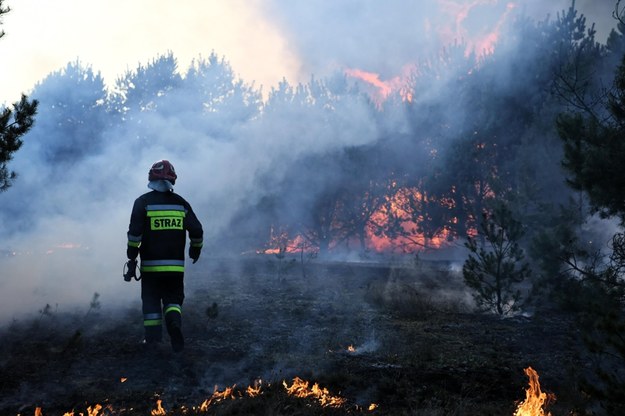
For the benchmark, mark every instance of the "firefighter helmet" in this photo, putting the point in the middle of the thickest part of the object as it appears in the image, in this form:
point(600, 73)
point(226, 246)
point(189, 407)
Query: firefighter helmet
point(163, 169)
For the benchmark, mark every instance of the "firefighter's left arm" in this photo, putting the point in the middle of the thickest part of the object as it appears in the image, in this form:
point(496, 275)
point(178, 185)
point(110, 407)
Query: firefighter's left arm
point(196, 234)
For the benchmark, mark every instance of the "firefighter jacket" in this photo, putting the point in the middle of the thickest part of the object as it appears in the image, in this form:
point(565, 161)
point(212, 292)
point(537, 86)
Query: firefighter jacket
point(158, 231)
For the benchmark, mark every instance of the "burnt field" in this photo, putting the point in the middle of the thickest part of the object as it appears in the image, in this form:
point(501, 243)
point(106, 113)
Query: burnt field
point(381, 339)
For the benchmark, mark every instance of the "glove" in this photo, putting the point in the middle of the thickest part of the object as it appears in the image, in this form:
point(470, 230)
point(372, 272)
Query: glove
point(131, 272)
point(194, 253)
point(132, 252)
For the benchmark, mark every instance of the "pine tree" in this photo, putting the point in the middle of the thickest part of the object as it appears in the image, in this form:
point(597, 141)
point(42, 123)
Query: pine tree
point(14, 123)
point(494, 270)
point(594, 154)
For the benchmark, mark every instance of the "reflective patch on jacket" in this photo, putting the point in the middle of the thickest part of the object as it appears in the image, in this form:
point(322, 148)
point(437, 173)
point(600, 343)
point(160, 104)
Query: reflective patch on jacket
point(166, 217)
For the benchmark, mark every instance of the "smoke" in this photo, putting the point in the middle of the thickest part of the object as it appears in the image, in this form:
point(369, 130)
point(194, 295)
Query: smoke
point(384, 37)
point(64, 223)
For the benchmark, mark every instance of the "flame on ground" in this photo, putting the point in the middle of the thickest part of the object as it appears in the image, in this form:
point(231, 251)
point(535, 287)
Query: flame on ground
point(91, 411)
point(254, 391)
point(218, 396)
point(159, 409)
point(300, 389)
point(534, 397)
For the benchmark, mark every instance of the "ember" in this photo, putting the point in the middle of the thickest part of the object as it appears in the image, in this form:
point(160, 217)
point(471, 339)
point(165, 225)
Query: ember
point(534, 397)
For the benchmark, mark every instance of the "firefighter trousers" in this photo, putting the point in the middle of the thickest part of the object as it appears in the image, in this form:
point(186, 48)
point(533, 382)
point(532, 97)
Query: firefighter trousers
point(162, 294)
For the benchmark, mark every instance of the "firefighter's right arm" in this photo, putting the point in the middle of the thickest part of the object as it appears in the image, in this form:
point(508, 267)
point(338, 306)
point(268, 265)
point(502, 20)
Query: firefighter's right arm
point(135, 229)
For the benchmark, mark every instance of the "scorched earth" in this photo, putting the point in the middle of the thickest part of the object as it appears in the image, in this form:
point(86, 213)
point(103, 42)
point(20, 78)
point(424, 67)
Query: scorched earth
point(269, 336)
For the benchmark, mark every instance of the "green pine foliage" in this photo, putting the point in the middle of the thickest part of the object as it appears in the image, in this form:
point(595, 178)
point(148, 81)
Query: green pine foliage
point(594, 156)
point(14, 123)
point(494, 269)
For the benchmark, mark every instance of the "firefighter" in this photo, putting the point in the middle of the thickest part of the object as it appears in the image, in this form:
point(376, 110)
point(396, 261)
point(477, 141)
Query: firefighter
point(157, 233)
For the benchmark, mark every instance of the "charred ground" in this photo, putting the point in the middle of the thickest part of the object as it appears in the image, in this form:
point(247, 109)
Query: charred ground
point(418, 348)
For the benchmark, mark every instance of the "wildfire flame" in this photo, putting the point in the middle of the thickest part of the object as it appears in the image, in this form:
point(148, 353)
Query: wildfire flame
point(159, 411)
point(300, 389)
point(254, 391)
point(403, 206)
point(480, 43)
point(384, 88)
point(91, 411)
point(227, 393)
point(534, 397)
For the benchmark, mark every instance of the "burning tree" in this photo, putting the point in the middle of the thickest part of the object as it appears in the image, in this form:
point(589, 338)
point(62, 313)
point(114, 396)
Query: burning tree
point(493, 272)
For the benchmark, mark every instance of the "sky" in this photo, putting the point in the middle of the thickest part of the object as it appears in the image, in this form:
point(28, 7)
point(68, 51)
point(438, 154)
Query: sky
point(265, 41)
point(115, 36)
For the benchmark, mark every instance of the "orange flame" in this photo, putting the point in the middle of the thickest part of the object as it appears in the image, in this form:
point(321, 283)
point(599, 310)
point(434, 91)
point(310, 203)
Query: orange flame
point(384, 88)
point(402, 207)
point(300, 389)
point(254, 391)
point(398, 206)
point(480, 44)
point(534, 397)
point(227, 393)
point(159, 411)
point(280, 243)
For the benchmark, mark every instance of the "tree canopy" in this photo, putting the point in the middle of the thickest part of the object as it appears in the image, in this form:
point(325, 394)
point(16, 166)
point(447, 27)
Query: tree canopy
point(15, 121)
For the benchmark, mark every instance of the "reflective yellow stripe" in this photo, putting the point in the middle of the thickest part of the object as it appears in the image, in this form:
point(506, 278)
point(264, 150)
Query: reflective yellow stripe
point(162, 268)
point(173, 308)
point(152, 322)
point(134, 243)
point(167, 213)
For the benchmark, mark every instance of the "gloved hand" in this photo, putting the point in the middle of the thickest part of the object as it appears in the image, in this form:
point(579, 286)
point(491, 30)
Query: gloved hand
point(194, 253)
point(131, 270)
point(132, 252)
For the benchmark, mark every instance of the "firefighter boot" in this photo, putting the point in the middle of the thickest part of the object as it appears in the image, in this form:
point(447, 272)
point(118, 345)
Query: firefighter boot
point(173, 322)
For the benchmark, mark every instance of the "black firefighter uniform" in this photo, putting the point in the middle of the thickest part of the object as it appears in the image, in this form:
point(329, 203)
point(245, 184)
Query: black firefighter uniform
point(157, 232)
